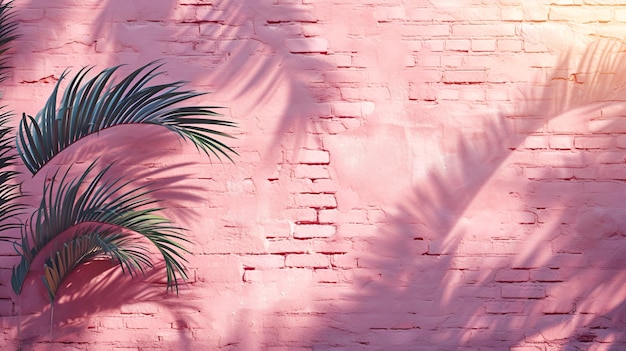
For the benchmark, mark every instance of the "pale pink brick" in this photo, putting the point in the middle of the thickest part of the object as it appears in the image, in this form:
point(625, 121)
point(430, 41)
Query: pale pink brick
point(512, 45)
point(279, 247)
point(512, 14)
point(452, 61)
point(346, 76)
point(432, 30)
point(465, 76)
point(448, 94)
point(523, 217)
point(434, 45)
point(484, 45)
point(148, 308)
point(593, 142)
point(546, 275)
point(612, 125)
point(307, 45)
point(331, 247)
point(314, 157)
point(324, 186)
point(312, 172)
point(307, 231)
point(326, 276)
point(621, 141)
point(560, 159)
point(307, 261)
point(426, 60)
point(316, 200)
point(616, 172)
point(262, 262)
point(473, 94)
point(346, 109)
point(576, 13)
point(561, 142)
point(512, 275)
point(536, 142)
point(515, 291)
point(504, 307)
point(476, 247)
point(352, 230)
point(458, 44)
point(276, 230)
point(549, 173)
point(389, 13)
point(420, 14)
point(425, 76)
point(345, 261)
point(343, 60)
point(494, 30)
point(506, 246)
point(424, 91)
point(301, 214)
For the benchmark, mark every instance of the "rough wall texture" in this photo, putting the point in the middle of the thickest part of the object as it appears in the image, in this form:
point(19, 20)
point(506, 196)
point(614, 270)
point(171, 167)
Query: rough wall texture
point(414, 175)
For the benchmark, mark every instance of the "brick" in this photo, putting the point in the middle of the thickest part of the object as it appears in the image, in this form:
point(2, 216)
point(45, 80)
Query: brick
point(615, 172)
point(326, 276)
point(536, 142)
point(561, 142)
point(314, 231)
point(312, 171)
point(503, 307)
point(281, 247)
point(347, 109)
point(509, 45)
point(307, 45)
point(307, 261)
point(276, 230)
point(576, 13)
point(515, 14)
point(484, 45)
point(608, 125)
point(315, 157)
point(263, 262)
point(478, 30)
point(316, 200)
point(389, 13)
point(458, 45)
point(621, 141)
point(424, 92)
point(465, 76)
point(515, 291)
point(476, 247)
point(593, 142)
point(512, 275)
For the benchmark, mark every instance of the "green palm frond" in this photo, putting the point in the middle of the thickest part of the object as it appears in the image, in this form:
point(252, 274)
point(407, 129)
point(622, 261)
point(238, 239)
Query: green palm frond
point(99, 204)
point(8, 27)
point(90, 106)
point(131, 256)
point(9, 207)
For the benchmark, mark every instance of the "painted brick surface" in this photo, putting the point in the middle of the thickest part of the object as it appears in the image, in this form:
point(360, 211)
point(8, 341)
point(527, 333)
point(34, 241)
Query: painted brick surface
point(414, 175)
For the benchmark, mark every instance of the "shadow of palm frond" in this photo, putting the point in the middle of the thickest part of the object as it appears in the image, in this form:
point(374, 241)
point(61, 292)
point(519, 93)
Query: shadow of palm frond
point(445, 270)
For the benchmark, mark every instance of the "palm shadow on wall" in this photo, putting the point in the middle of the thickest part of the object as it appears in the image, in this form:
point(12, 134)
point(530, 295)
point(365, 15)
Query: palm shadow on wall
point(429, 288)
point(241, 36)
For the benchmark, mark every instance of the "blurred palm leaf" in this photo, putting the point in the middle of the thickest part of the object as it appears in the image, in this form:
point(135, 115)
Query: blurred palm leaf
point(8, 26)
point(8, 188)
point(90, 106)
point(9, 193)
point(104, 207)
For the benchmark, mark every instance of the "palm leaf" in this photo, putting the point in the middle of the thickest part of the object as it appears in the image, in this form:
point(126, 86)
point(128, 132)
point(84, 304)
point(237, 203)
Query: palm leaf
point(99, 205)
point(92, 105)
point(8, 26)
point(9, 193)
point(121, 248)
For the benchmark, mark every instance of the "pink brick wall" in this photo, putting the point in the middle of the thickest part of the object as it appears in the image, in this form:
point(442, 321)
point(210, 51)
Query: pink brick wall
point(414, 175)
